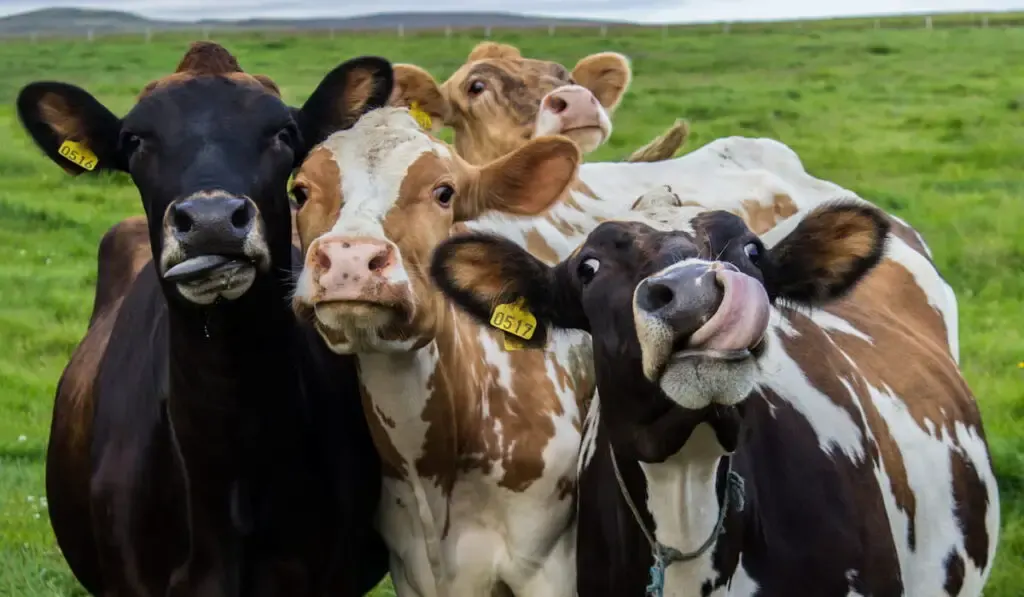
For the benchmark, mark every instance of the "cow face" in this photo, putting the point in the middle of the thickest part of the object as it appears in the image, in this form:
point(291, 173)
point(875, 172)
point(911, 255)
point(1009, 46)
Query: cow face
point(210, 149)
point(498, 99)
point(377, 199)
point(678, 318)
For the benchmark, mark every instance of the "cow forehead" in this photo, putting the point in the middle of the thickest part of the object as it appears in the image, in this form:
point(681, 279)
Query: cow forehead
point(374, 158)
point(235, 99)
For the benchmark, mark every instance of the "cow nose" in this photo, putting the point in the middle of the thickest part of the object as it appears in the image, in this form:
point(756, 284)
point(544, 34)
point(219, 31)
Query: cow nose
point(343, 265)
point(569, 100)
point(684, 298)
point(218, 220)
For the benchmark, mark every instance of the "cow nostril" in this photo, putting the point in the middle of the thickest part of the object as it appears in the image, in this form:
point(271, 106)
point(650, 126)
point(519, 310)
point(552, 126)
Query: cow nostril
point(379, 261)
point(241, 217)
point(322, 260)
point(658, 296)
point(557, 104)
point(181, 220)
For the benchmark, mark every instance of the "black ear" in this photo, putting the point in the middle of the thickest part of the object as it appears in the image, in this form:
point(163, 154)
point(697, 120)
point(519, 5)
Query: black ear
point(74, 129)
point(346, 93)
point(479, 272)
point(828, 252)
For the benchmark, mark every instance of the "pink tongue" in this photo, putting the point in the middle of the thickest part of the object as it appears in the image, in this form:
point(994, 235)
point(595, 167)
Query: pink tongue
point(742, 318)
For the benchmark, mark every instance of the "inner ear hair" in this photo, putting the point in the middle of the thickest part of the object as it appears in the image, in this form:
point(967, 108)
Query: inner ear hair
point(829, 251)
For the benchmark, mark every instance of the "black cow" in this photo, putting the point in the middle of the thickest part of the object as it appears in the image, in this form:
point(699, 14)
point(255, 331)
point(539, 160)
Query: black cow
point(742, 442)
point(204, 442)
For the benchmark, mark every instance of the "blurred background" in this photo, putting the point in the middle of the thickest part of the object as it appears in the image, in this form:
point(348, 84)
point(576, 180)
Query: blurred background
point(916, 105)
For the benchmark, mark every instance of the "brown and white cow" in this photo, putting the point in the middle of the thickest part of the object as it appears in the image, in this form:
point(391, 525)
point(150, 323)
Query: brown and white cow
point(479, 441)
point(777, 416)
point(498, 100)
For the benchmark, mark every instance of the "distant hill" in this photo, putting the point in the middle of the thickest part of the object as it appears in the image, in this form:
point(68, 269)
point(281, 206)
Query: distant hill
point(76, 21)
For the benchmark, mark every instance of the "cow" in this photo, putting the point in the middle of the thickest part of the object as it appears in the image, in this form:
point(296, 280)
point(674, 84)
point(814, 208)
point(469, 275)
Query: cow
point(498, 100)
point(776, 414)
point(478, 441)
point(203, 441)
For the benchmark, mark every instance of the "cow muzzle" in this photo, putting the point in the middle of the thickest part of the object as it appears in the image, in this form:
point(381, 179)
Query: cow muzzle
point(357, 282)
point(213, 246)
point(698, 313)
point(573, 111)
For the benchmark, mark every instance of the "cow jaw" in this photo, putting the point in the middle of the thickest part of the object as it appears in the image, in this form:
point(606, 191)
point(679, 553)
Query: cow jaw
point(699, 327)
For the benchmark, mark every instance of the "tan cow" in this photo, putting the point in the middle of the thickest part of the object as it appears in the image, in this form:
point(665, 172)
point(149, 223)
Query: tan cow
point(498, 99)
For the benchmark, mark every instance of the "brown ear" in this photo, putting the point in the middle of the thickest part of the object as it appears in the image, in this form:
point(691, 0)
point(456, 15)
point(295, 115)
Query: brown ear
point(415, 85)
point(525, 182)
point(490, 49)
point(607, 75)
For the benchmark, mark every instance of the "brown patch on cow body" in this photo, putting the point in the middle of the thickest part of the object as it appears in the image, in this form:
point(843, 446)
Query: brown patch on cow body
point(890, 309)
point(392, 463)
point(954, 574)
point(540, 248)
point(761, 218)
point(971, 506)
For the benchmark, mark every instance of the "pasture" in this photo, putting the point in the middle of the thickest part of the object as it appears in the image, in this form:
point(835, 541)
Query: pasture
point(926, 123)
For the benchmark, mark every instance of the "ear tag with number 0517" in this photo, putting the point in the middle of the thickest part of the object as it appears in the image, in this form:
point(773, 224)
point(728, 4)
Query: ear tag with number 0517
point(514, 318)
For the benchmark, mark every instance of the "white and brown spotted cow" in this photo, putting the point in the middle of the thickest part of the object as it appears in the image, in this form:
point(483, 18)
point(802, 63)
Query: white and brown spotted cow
point(479, 442)
point(778, 416)
point(498, 100)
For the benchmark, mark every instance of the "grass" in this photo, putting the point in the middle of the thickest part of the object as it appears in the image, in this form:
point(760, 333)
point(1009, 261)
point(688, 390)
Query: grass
point(927, 124)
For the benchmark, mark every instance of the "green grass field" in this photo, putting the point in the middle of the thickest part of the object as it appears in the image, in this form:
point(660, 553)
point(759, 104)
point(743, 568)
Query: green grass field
point(927, 124)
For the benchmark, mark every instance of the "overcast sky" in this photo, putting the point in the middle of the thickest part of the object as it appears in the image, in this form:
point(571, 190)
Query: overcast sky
point(630, 10)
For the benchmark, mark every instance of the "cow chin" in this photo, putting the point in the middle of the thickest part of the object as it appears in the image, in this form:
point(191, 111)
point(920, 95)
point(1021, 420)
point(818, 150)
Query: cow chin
point(588, 138)
point(695, 381)
point(350, 327)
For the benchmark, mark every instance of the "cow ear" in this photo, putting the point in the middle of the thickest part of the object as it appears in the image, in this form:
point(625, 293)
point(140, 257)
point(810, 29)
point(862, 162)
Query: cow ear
point(607, 75)
point(486, 274)
point(415, 89)
point(525, 182)
point(350, 90)
point(827, 253)
point(72, 127)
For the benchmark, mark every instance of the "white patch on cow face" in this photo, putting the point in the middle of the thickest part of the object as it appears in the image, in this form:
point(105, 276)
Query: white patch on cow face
point(373, 158)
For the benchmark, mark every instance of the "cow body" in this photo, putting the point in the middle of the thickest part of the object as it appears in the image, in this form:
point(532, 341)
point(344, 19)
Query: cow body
point(191, 454)
point(860, 449)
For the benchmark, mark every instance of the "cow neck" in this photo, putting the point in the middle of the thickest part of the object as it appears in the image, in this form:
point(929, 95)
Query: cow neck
point(685, 500)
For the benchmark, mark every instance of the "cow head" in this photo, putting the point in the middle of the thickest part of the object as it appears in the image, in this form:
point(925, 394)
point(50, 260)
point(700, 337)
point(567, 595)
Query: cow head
point(375, 202)
point(210, 149)
point(498, 100)
point(678, 319)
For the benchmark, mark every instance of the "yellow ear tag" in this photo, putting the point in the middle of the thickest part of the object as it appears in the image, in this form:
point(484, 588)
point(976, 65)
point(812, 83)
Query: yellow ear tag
point(421, 117)
point(74, 151)
point(515, 319)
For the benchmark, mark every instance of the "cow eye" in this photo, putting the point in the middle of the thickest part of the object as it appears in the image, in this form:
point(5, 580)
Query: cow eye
point(476, 87)
point(753, 251)
point(300, 194)
point(286, 136)
point(588, 269)
point(130, 142)
point(444, 194)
